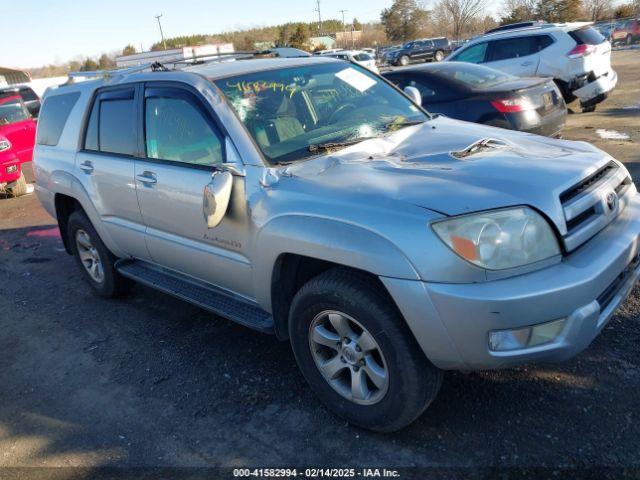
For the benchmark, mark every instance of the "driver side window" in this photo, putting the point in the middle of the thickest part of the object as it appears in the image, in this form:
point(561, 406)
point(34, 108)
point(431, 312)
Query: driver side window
point(177, 131)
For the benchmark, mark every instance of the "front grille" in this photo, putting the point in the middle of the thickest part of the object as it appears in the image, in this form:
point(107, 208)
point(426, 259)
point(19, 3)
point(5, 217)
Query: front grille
point(593, 203)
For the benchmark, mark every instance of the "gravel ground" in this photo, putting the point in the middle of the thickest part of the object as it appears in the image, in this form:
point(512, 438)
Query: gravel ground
point(149, 381)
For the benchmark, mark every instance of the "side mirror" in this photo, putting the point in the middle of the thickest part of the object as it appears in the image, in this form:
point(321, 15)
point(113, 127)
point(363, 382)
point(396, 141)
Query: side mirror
point(216, 198)
point(414, 94)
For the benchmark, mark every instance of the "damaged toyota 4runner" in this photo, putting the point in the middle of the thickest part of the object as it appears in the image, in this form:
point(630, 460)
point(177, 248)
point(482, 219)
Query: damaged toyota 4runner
point(311, 199)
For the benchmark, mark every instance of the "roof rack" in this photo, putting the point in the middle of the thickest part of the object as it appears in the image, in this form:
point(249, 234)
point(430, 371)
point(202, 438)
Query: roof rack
point(163, 66)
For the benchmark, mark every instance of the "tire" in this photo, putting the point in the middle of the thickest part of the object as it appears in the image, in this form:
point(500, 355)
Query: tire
point(111, 284)
point(628, 40)
point(403, 61)
point(412, 382)
point(18, 188)
point(438, 56)
point(589, 109)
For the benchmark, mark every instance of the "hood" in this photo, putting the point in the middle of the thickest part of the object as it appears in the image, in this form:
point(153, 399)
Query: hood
point(454, 167)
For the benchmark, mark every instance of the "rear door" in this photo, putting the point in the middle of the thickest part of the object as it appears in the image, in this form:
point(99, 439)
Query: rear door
point(105, 166)
point(183, 145)
point(517, 55)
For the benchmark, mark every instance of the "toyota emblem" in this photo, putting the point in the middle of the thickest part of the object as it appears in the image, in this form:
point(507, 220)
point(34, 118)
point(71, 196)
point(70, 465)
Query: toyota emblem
point(612, 201)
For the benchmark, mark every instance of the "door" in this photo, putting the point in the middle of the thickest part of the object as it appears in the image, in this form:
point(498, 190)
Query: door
point(17, 126)
point(183, 146)
point(518, 55)
point(105, 167)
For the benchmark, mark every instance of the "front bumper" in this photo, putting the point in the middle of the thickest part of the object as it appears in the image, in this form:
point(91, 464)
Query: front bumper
point(452, 322)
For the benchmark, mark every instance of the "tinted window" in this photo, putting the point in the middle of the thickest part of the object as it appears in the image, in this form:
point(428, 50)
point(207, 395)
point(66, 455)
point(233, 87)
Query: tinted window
point(176, 130)
point(473, 76)
point(363, 57)
point(441, 42)
point(587, 36)
point(512, 48)
point(53, 117)
point(12, 110)
point(543, 41)
point(112, 124)
point(473, 54)
point(28, 94)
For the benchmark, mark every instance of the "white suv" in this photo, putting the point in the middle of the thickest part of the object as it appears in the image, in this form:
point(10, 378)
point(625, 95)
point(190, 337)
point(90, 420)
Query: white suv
point(360, 57)
point(576, 55)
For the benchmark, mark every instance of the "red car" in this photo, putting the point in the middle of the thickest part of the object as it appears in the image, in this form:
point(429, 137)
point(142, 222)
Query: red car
point(17, 139)
point(626, 33)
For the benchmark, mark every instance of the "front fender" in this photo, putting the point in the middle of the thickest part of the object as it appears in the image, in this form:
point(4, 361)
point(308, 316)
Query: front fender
point(328, 240)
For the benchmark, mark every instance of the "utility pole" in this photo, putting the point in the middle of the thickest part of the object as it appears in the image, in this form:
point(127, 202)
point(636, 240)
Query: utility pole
point(344, 24)
point(319, 17)
point(158, 17)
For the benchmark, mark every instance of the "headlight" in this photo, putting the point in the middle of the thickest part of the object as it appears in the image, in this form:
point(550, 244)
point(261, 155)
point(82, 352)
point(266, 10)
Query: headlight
point(4, 145)
point(500, 239)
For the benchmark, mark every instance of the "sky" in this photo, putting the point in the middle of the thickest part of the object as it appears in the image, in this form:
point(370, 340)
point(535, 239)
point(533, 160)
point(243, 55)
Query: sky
point(39, 32)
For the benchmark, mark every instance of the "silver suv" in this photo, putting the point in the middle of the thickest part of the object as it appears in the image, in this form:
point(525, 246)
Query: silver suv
point(311, 199)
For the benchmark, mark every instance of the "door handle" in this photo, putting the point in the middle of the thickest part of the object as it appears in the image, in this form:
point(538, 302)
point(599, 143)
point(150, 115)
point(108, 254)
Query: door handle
point(87, 167)
point(148, 178)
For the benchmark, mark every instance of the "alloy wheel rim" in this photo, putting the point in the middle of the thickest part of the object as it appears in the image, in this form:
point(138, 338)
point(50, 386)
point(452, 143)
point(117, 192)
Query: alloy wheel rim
point(348, 357)
point(89, 256)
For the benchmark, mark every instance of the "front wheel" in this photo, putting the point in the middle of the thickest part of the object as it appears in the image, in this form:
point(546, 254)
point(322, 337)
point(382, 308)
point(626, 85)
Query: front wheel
point(629, 40)
point(357, 354)
point(439, 56)
point(404, 61)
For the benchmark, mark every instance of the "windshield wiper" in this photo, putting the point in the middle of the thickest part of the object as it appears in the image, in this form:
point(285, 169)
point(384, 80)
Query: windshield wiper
point(332, 145)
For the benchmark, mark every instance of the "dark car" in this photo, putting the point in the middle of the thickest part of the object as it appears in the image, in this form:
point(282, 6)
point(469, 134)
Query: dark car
point(480, 94)
point(426, 50)
point(29, 97)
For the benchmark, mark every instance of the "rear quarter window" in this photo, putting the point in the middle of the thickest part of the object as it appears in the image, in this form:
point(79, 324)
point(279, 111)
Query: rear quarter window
point(28, 94)
point(53, 117)
point(587, 36)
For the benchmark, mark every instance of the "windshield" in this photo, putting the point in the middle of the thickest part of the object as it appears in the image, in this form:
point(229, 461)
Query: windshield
point(293, 113)
point(12, 110)
point(473, 76)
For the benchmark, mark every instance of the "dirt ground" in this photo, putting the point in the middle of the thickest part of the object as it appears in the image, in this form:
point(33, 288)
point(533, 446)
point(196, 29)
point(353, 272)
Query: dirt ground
point(150, 381)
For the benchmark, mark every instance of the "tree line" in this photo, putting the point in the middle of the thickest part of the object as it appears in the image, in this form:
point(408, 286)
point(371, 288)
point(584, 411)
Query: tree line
point(404, 20)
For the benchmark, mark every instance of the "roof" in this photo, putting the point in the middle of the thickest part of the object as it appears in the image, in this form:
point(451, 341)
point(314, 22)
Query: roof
point(540, 27)
point(215, 70)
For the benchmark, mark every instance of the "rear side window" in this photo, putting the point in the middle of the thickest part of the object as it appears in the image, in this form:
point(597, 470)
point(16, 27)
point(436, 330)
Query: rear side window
point(112, 124)
point(587, 36)
point(512, 48)
point(473, 54)
point(362, 57)
point(53, 117)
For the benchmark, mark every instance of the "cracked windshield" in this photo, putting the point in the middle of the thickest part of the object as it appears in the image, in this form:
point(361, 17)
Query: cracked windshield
point(299, 112)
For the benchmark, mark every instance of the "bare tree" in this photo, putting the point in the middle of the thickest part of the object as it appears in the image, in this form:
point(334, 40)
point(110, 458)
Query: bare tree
point(514, 11)
point(598, 9)
point(462, 12)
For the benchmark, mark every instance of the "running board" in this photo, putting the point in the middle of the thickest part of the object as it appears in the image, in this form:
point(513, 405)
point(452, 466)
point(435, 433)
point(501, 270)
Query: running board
point(204, 296)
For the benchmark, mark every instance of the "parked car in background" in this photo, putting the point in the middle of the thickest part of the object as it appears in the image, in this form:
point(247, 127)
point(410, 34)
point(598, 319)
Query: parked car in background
point(17, 138)
point(575, 55)
point(627, 32)
point(29, 97)
point(356, 56)
point(312, 200)
point(288, 52)
point(479, 94)
point(425, 50)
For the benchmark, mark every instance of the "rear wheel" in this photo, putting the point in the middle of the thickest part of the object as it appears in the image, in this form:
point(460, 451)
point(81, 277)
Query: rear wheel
point(357, 354)
point(629, 40)
point(439, 56)
point(96, 262)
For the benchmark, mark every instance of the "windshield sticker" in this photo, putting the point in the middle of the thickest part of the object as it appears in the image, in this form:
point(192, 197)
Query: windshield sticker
point(260, 86)
point(356, 79)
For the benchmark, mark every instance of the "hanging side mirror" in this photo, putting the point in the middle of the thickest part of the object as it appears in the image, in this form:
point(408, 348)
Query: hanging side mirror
point(217, 195)
point(414, 94)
